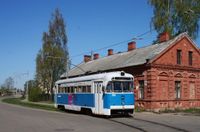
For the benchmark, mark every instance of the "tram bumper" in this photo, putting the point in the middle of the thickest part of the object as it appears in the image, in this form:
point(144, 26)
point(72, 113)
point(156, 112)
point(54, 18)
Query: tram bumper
point(125, 109)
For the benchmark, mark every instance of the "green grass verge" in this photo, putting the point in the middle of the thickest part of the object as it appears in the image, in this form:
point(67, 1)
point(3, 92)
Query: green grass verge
point(195, 111)
point(18, 101)
point(139, 110)
point(192, 110)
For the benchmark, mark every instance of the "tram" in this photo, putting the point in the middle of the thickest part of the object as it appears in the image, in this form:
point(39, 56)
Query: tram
point(102, 94)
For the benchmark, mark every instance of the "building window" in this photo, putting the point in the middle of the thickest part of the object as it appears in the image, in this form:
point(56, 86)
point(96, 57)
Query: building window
point(177, 89)
point(178, 54)
point(190, 57)
point(141, 89)
point(192, 90)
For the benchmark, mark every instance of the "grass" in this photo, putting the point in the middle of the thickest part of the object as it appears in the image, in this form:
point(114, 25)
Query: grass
point(195, 111)
point(18, 101)
point(139, 109)
point(192, 110)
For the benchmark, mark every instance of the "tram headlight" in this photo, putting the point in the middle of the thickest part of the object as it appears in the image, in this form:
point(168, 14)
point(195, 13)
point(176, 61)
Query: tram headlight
point(122, 73)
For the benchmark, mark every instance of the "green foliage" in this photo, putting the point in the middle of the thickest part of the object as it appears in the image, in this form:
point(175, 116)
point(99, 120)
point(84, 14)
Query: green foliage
point(34, 94)
point(53, 59)
point(30, 84)
point(33, 91)
point(8, 83)
point(7, 87)
point(176, 16)
point(5, 91)
point(193, 110)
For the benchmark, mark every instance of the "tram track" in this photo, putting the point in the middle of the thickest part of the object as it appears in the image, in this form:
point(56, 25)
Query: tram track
point(135, 123)
point(162, 124)
point(128, 125)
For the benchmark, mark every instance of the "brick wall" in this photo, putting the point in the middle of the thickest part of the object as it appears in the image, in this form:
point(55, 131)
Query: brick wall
point(169, 57)
point(160, 76)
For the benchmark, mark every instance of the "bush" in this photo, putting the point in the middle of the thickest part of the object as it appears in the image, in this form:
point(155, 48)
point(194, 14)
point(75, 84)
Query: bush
point(5, 91)
point(45, 97)
point(34, 94)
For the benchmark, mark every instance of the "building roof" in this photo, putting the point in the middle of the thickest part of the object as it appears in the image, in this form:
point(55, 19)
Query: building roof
point(135, 57)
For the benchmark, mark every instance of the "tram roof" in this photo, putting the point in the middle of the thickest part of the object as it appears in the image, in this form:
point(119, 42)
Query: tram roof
point(107, 75)
point(135, 57)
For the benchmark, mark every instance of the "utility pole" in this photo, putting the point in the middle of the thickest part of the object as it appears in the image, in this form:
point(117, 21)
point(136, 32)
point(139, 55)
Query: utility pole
point(18, 76)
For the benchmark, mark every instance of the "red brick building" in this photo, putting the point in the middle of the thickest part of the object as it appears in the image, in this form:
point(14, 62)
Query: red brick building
point(167, 74)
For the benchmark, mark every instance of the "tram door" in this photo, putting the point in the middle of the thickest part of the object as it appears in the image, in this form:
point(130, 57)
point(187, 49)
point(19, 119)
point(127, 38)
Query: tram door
point(98, 97)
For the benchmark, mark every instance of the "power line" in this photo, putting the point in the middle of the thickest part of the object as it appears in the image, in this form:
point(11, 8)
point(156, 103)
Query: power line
point(140, 35)
point(89, 52)
point(112, 45)
point(115, 44)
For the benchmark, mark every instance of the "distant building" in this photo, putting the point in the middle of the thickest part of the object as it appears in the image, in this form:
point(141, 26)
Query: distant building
point(167, 74)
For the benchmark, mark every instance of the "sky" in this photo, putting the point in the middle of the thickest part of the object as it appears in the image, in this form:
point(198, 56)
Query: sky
point(90, 25)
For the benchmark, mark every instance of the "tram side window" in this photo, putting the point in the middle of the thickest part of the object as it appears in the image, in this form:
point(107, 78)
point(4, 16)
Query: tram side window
point(61, 89)
point(89, 89)
point(79, 89)
point(75, 89)
point(65, 90)
point(68, 89)
point(58, 89)
point(109, 87)
point(84, 89)
point(72, 89)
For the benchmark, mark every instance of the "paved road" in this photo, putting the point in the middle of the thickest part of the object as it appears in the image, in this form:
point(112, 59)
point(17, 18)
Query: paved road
point(180, 121)
point(20, 119)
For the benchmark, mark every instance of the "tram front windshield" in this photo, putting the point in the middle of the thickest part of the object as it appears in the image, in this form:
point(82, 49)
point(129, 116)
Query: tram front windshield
point(119, 86)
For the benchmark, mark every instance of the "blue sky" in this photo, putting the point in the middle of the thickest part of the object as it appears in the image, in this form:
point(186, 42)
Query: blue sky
point(90, 25)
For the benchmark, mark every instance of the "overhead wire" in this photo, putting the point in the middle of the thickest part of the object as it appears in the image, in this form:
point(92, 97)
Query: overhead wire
point(115, 44)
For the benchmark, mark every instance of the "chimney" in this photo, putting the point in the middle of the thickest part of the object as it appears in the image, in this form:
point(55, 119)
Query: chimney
point(110, 52)
point(87, 58)
point(164, 37)
point(96, 56)
point(131, 46)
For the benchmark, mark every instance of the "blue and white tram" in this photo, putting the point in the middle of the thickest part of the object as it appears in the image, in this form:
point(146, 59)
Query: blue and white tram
point(102, 94)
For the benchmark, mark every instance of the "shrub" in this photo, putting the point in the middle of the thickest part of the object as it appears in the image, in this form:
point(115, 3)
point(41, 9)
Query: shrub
point(34, 94)
point(45, 97)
